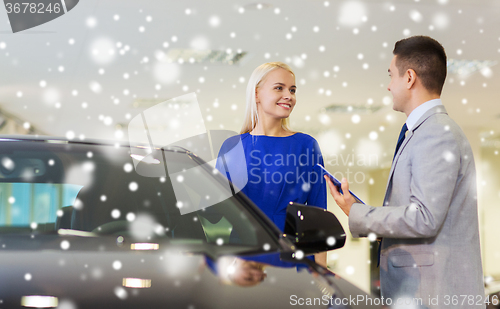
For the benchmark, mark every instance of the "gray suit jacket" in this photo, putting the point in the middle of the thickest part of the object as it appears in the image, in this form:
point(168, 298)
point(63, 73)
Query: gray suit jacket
point(429, 222)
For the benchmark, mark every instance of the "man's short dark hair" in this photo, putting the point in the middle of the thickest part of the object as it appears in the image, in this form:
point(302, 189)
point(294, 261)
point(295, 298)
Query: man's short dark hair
point(426, 57)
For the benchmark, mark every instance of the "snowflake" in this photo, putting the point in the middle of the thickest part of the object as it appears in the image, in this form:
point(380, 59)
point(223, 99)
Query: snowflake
point(349, 270)
point(65, 245)
point(133, 186)
point(117, 265)
point(120, 292)
point(449, 156)
point(115, 213)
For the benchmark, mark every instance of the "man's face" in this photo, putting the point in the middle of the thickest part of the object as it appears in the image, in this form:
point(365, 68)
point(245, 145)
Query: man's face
point(398, 87)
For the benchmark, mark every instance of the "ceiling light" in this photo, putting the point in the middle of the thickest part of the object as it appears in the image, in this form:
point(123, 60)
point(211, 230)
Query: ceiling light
point(144, 246)
point(38, 301)
point(490, 138)
point(351, 109)
point(68, 232)
point(227, 57)
point(467, 67)
point(257, 6)
point(136, 283)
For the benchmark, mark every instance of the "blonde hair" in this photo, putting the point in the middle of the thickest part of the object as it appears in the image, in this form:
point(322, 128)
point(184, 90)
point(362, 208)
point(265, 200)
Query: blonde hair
point(251, 116)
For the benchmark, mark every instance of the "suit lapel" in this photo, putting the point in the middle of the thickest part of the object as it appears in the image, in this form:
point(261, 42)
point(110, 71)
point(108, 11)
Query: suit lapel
point(435, 110)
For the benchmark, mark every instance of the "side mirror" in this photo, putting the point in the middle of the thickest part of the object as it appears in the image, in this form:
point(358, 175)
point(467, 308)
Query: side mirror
point(313, 229)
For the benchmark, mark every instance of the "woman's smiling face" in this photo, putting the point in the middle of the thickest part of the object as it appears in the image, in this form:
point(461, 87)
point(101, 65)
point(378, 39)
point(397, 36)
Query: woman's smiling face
point(275, 95)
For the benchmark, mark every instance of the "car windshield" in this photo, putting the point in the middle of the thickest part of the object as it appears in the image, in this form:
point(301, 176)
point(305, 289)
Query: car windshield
point(94, 190)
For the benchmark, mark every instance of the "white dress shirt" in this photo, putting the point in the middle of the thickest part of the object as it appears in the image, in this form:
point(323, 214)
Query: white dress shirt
point(420, 111)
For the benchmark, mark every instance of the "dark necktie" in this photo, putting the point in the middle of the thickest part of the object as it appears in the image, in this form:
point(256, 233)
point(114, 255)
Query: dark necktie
point(400, 139)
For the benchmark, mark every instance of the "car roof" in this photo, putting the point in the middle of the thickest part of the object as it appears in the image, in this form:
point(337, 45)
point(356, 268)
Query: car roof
point(85, 141)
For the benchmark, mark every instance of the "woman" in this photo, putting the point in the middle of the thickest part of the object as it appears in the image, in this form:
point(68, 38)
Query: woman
point(279, 161)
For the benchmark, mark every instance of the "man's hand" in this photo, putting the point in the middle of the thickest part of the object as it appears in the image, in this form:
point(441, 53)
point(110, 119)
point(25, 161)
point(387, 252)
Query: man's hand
point(344, 201)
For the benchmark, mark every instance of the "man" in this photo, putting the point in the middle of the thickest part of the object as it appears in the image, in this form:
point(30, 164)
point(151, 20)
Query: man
point(429, 223)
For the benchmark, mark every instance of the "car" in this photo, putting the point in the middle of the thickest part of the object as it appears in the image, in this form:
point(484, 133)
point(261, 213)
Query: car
point(93, 224)
point(492, 290)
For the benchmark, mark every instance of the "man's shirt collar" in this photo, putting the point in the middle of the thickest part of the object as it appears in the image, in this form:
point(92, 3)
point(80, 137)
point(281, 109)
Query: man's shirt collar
point(420, 111)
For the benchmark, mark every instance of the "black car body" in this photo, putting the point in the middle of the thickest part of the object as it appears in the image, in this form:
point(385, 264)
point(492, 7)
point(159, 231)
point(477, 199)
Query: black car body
point(81, 228)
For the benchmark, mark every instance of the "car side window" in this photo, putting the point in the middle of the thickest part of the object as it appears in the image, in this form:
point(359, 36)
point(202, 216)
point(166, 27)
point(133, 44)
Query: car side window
point(34, 206)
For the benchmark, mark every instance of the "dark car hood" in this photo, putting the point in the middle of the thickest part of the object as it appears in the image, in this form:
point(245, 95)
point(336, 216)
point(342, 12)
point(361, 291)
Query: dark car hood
point(168, 278)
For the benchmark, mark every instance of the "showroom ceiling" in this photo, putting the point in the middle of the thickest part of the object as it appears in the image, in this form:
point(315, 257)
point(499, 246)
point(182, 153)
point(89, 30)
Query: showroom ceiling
point(90, 71)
